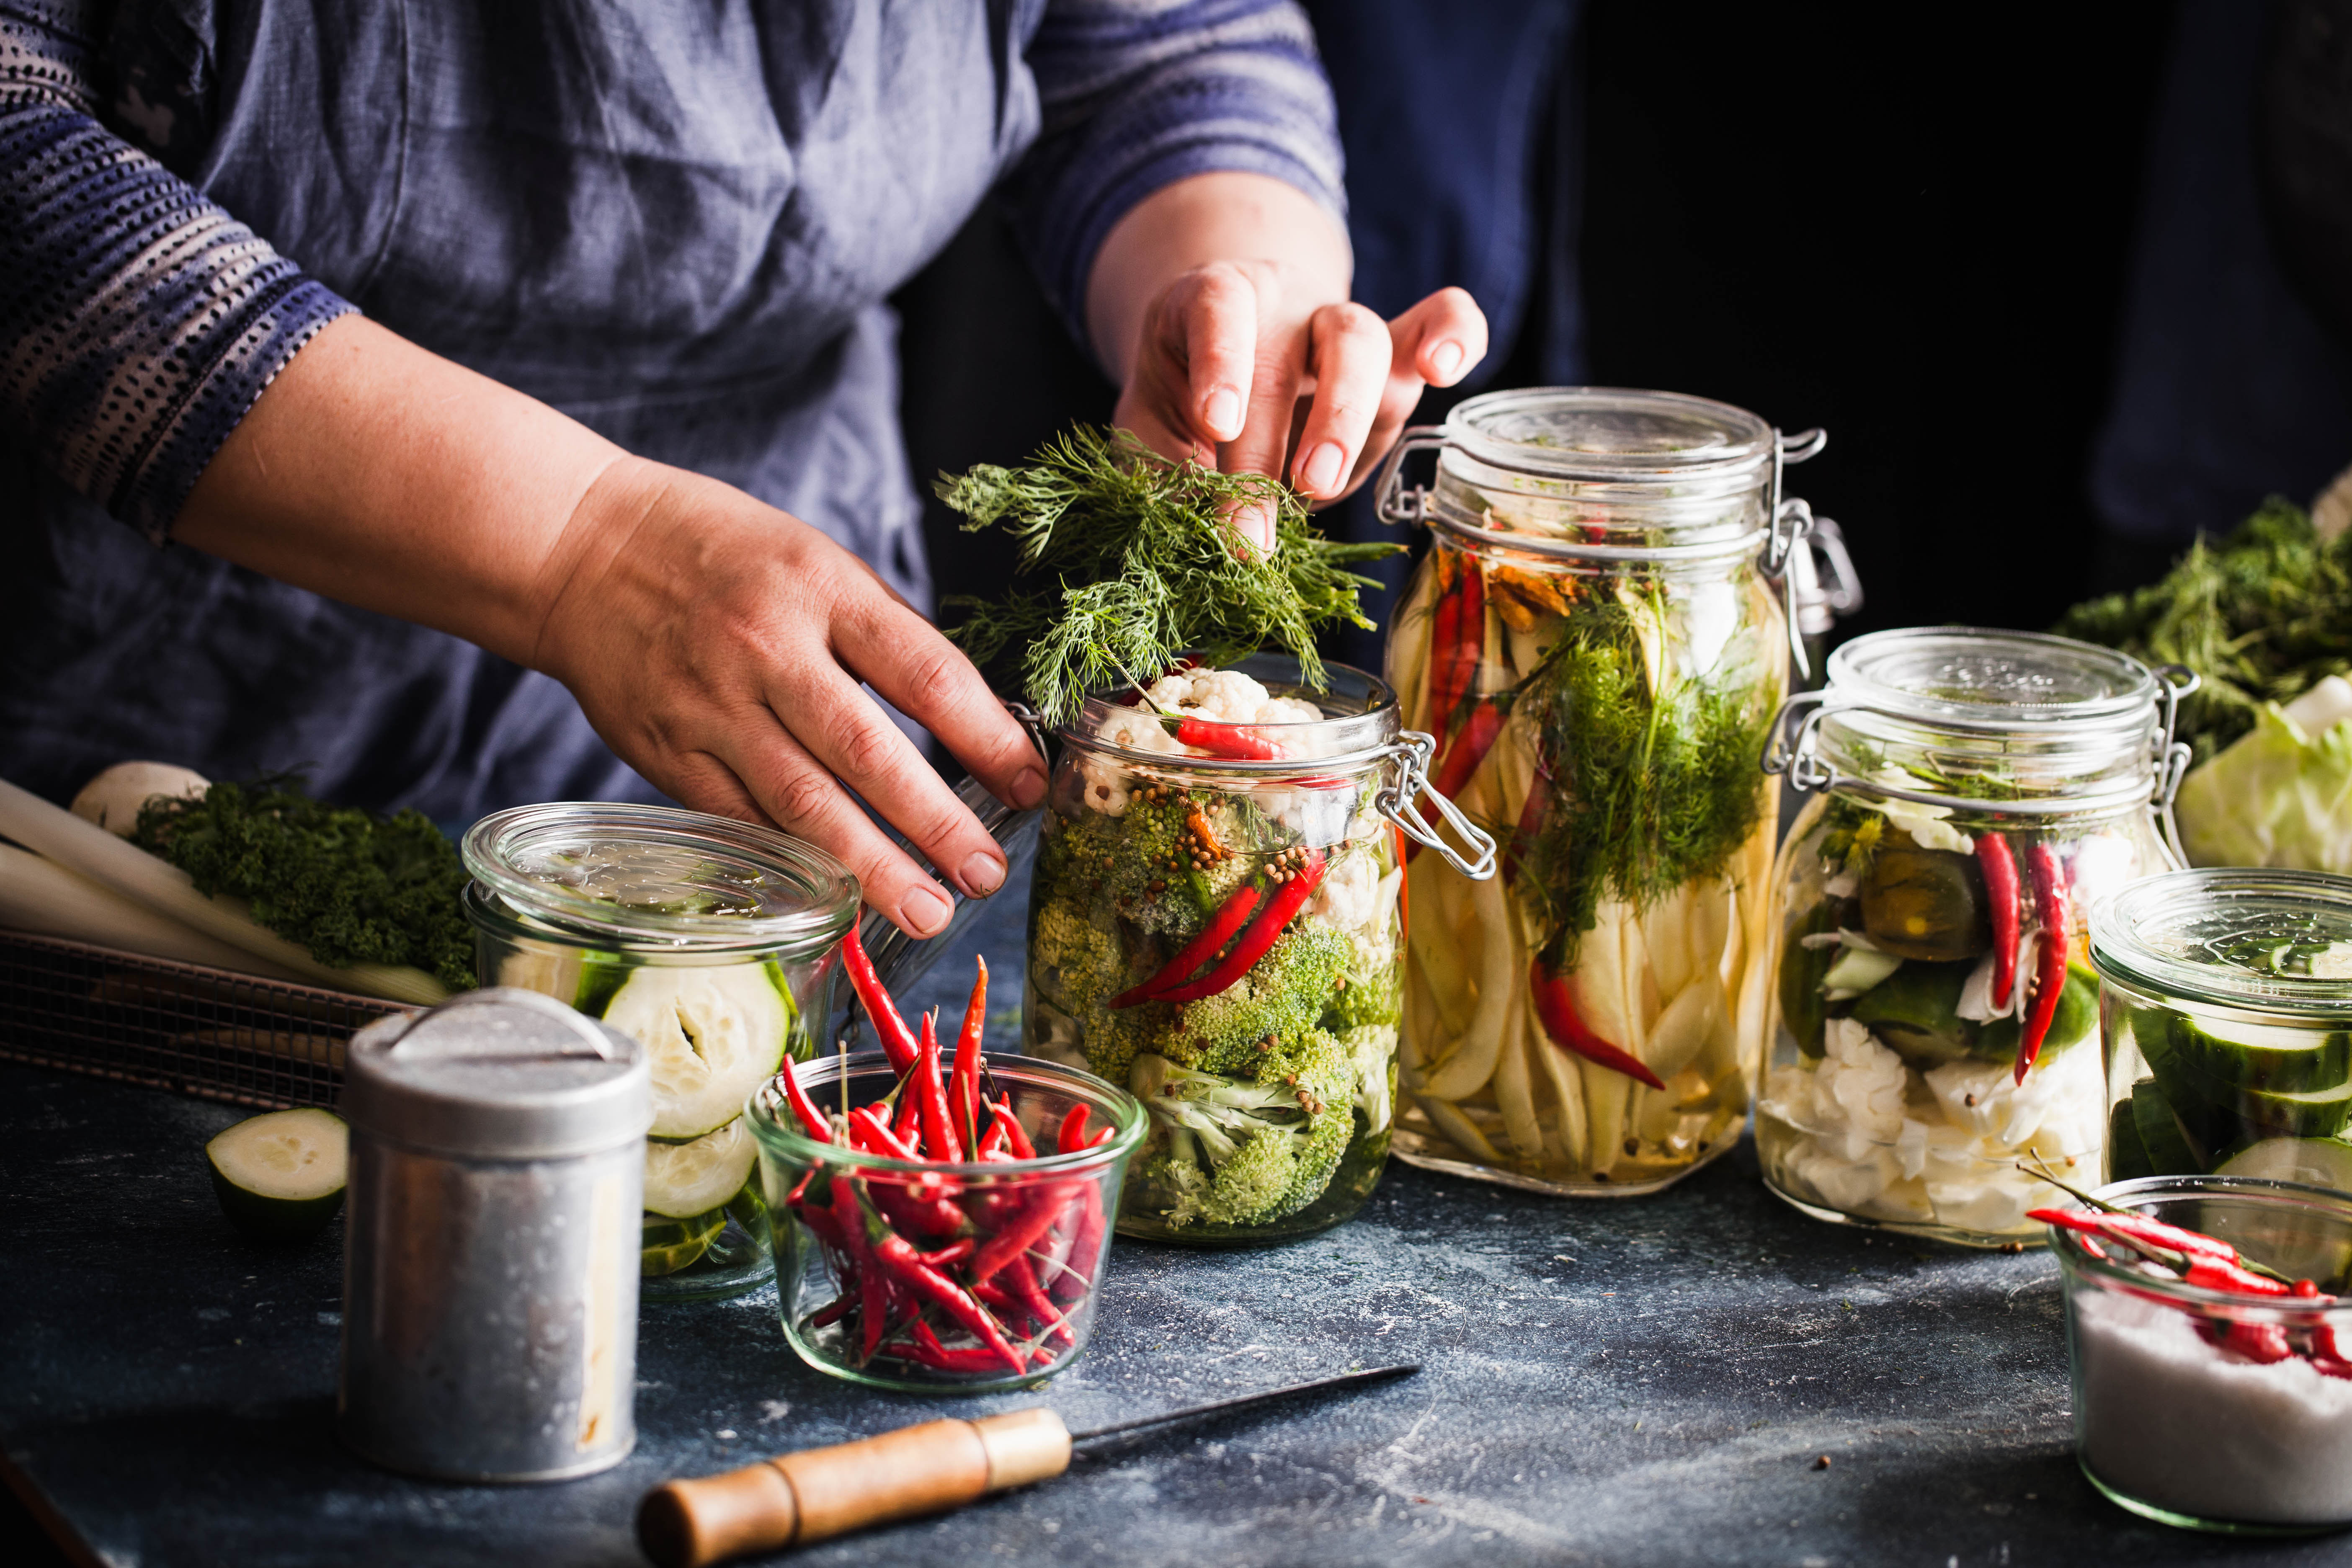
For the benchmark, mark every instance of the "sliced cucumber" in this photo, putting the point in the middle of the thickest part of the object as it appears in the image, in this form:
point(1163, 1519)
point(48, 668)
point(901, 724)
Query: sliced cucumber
point(1857, 968)
point(2167, 1146)
point(280, 1178)
point(683, 1180)
point(1915, 1013)
point(666, 1246)
point(2264, 1059)
point(2320, 1162)
point(713, 1036)
point(2127, 1155)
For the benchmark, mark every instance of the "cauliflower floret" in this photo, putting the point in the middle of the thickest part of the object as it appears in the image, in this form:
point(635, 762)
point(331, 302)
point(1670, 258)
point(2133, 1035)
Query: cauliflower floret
point(1107, 785)
point(1344, 897)
point(1227, 696)
point(1857, 1091)
point(2062, 1105)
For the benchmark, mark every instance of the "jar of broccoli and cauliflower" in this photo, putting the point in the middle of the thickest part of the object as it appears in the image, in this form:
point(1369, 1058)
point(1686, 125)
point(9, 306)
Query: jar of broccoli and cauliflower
point(1215, 922)
point(1975, 792)
point(707, 941)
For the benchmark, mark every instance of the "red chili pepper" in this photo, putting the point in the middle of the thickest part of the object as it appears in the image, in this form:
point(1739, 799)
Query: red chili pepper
point(2050, 979)
point(2000, 868)
point(925, 1350)
point(832, 1312)
point(899, 1257)
point(1555, 1006)
point(964, 1102)
point(2262, 1342)
point(1078, 1273)
point(813, 1121)
point(1020, 1232)
point(1262, 932)
point(931, 1096)
point(1405, 904)
point(1072, 1137)
point(898, 1040)
point(1531, 815)
point(1233, 742)
point(2140, 1228)
point(873, 1292)
point(1468, 748)
point(2215, 1275)
point(991, 1143)
point(954, 1252)
point(1458, 648)
point(1213, 936)
point(907, 1121)
point(1002, 1114)
point(869, 1133)
point(1033, 1301)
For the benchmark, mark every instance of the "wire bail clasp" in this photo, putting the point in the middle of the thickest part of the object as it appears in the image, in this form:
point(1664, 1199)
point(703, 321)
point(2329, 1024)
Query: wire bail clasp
point(1394, 504)
point(2173, 756)
point(1399, 801)
point(1794, 756)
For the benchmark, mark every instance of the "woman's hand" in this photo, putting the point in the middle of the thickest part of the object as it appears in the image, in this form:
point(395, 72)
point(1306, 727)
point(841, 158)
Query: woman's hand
point(1229, 294)
point(716, 643)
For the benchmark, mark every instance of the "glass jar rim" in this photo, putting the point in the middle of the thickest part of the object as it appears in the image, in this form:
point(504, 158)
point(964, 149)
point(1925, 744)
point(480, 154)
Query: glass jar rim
point(2077, 1259)
point(1889, 672)
point(1508, 431)
point(773, 1126)
point(2148, 934)
point(1370, 729)
point(819, 895)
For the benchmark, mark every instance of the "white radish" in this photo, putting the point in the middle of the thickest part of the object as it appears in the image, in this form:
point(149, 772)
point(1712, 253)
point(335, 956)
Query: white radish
point(58, 835)
point(42, 897)
point(114, 798)
point(1568, 1093)
point(1471, 1061)
point(1686, 1025)
point(1462, 1131)
point(1514, 1093)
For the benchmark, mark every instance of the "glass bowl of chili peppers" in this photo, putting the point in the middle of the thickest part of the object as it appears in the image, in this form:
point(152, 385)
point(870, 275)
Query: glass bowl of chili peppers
point(2211, 1335)
point(913, 1255)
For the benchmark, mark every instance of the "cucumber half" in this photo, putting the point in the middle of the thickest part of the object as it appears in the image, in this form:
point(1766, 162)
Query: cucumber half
point(280, 1178)
point(683, 1180)
point(713, 1036)
point(666, 1246)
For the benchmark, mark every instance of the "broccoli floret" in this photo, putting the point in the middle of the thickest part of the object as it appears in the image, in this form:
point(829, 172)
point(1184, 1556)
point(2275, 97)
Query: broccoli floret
point(1074, 962)
point(1135, 861)
point(1245, 1151)
point(1283, 994)
point(1374, 997)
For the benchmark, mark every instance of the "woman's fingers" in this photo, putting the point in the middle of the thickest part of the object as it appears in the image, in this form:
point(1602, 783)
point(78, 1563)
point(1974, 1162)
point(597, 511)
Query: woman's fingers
point(1217, 310)
point(1437, 342)
point(1350, 353)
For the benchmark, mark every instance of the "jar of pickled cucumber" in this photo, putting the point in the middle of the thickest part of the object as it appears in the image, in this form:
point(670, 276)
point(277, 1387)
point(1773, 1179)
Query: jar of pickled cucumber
point(1214, 924)
point(2226, 1013)
point(708, 940)
point(1973, 794)
point(1594, 640)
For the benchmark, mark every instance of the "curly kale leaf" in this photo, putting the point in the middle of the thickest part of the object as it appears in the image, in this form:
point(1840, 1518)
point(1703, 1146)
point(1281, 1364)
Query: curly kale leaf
point(348, 887)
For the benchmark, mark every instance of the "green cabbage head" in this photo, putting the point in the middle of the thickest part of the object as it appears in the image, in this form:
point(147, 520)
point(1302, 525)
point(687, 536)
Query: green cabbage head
point(2282, 794)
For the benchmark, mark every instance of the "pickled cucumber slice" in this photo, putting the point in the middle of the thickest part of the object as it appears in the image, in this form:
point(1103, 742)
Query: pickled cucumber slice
point(2162, 1140)
point(2320, 1161)
point(280, 1178)
point(2076, 1020)
point(1915, 1013)
point(713, 1036)
point(2264, 1059)
point(683, 1180)
point(2127, 1155)
point(669, 1245)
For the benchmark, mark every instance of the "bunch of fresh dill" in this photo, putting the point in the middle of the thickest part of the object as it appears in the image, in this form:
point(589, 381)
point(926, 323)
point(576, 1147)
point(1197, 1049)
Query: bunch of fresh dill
point(1144, 567)
point(2260, 616)
point(1651, 789)
point(348, 887)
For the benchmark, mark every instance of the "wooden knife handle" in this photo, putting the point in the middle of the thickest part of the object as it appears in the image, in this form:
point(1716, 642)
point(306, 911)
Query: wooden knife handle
point(818, 1493)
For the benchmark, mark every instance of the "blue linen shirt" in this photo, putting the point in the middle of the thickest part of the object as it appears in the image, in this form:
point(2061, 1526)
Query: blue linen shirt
point(678, 226)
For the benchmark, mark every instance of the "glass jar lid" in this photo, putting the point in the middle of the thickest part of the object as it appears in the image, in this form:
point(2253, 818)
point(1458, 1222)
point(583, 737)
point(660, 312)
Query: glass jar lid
point(1610, 432)
point(1978, 718)
point(2254, 939)
point(653, 875)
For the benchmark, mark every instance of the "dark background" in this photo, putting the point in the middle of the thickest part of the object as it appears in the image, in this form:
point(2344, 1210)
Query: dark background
point(1915, 236)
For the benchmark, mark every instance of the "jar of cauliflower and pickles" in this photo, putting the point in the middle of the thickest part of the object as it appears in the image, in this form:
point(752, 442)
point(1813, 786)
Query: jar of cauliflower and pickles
point(1594, 643)
point(1214, 924)
point(1935, 1016)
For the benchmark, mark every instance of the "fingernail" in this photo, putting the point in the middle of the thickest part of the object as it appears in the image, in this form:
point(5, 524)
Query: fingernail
point(1223, 412)
point(926, 910)
point(982, 874)
point(1322, 470)
point(1446, 358)
point(1029, 788)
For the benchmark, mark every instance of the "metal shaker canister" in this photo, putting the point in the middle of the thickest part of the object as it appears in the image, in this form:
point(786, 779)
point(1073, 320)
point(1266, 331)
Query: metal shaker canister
point(491, 1255)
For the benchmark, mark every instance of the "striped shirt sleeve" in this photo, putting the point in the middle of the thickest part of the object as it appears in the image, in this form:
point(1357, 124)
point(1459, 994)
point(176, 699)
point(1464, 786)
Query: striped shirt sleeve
point(138, 321)
point(1138, 94)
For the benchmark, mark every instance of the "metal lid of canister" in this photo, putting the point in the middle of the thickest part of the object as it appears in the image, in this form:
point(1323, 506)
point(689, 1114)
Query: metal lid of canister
point(501, 1074)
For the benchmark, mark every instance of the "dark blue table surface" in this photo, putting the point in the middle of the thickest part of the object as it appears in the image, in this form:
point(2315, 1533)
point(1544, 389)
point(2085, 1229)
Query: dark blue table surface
point(1645, 1382)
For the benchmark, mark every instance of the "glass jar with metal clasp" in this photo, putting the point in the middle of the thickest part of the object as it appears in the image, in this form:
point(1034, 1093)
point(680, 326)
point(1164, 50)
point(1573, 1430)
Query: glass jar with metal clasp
point(1598, 638)
point(1215, 923)
point(1934, 1014)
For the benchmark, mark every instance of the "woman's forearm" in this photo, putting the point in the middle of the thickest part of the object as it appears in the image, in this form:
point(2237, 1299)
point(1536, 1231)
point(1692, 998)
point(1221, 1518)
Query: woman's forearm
point(379, 474)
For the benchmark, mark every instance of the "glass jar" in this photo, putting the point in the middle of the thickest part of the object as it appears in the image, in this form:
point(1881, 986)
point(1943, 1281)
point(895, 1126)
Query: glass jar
point(1974, 793)
point(2226, 1014)
point(1593, 642)
point(709, 943)
point(828, 1277)
point(1214, 923)
point(2212, 1410)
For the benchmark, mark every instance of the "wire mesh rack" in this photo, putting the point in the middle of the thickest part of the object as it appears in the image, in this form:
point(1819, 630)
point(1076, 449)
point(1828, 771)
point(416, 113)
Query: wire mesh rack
point(180, 1027)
